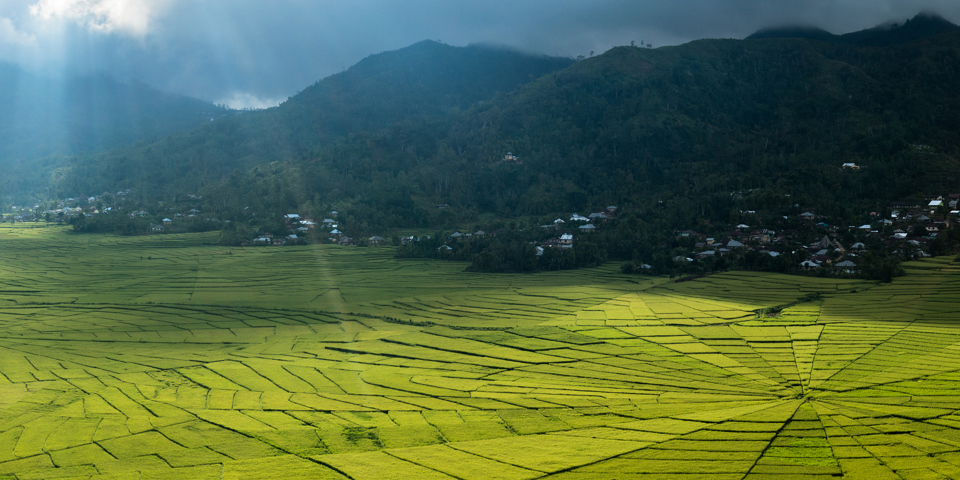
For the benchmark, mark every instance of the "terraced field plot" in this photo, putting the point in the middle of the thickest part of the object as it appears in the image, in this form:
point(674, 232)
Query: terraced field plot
point(160, 357)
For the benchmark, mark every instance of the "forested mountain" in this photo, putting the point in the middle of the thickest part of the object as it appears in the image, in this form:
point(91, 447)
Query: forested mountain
point(689, 126)
point(426, 81)
point(680, 135)
point(920, 26)
point(43, 117)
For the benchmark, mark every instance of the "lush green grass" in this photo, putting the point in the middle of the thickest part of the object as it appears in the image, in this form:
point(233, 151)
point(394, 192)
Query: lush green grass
point(199, 361)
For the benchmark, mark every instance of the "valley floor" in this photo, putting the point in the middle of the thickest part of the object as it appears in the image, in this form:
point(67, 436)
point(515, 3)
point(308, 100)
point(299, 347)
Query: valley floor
point(170, 357)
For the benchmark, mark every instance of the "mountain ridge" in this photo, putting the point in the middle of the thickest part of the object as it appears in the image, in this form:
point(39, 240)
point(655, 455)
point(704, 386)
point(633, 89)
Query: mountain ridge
point(45, 116)
point(649, 114)
point(923, 25)
point(409, 85)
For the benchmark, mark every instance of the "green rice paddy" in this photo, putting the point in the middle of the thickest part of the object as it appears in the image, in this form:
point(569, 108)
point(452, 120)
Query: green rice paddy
point(169, 357)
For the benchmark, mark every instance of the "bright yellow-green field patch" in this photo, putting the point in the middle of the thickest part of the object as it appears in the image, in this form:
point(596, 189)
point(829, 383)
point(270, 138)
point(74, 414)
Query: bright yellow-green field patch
point(171, 357)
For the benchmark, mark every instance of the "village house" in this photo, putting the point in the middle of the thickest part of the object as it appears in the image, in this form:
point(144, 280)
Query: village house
point(904, 205)
point(375, 240)
point(587, 228)
point(566, 239)
point(821, 259)
point(824, 242)
point(552, 242)
point(762, 235)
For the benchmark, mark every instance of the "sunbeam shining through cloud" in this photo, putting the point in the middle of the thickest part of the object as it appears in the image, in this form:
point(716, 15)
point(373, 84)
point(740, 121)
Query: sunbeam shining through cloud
point(126, 16)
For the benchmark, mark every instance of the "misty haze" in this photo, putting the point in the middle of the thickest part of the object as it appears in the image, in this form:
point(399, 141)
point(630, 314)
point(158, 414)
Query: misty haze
point(479, 240)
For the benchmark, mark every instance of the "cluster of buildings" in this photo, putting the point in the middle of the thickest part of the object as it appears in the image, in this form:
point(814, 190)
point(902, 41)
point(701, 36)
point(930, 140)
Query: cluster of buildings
point(65, 209)
point(576, 223)
point(908, 231)
point(110, 203)
point(20, 214)
point(299, 227)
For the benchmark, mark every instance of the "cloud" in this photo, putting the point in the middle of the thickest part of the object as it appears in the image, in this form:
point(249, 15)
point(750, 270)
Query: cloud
point(133, 17)
point(248, 101)
point(10, 35)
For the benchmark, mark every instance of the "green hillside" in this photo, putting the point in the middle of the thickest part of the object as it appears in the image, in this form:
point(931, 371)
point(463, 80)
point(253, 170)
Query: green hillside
point(428, 80)
point(43, 117)
point(690, 123)
point(682, 125)
point(703, 136)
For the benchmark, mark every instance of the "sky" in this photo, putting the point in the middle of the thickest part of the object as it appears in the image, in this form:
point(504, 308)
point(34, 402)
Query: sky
point(257, 53)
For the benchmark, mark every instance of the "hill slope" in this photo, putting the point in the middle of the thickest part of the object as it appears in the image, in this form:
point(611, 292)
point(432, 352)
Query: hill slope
point(683, 134)
point(43, 116)
point(44, 119)
point(428, 80)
